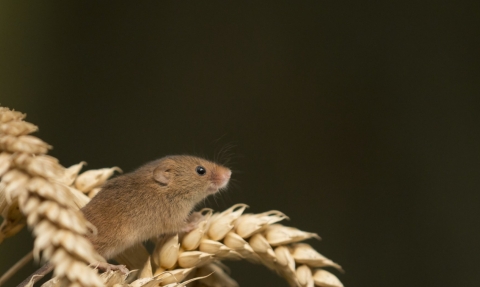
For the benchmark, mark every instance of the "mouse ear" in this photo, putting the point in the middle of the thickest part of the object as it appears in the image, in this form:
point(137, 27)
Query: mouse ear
point(162, 173)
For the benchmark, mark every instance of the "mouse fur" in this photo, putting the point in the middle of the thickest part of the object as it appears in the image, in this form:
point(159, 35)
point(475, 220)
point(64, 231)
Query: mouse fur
point(155, 199)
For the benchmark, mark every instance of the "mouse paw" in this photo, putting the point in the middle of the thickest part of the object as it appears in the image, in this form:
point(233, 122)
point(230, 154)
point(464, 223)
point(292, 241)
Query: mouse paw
point(105, 267)
point(192, 222)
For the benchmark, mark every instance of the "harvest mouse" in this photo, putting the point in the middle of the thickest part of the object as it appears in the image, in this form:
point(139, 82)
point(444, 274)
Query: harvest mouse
point(155, 199)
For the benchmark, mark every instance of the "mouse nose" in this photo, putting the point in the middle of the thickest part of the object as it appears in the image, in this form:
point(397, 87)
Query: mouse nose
point(223, 176)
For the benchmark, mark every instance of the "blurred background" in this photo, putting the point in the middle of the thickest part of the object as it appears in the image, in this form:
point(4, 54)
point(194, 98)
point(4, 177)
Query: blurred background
point(358, 119)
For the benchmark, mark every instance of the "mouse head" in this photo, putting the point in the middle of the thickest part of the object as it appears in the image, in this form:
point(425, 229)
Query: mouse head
point(190, 175)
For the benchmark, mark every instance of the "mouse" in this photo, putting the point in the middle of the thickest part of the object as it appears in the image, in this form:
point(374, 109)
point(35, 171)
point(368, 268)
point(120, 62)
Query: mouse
point(155, 199)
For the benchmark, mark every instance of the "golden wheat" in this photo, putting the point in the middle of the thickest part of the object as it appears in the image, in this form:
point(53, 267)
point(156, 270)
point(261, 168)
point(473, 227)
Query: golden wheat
point(35, 189)
point(32, 180)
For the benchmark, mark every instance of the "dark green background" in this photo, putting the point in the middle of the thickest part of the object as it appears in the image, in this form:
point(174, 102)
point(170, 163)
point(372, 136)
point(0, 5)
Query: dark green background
point(358, 119)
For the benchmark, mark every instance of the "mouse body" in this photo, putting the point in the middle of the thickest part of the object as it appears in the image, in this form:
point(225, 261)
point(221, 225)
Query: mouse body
point(155, 199)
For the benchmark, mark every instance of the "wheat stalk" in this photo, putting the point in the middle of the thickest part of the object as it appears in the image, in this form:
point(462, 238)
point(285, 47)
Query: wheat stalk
point(49, 196)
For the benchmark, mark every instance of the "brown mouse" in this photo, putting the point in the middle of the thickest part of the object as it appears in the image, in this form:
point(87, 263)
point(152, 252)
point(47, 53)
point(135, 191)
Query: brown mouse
point(155, 199)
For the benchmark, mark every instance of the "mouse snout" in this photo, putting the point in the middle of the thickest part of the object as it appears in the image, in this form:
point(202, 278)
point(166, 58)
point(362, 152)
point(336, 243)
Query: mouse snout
point(222, 176)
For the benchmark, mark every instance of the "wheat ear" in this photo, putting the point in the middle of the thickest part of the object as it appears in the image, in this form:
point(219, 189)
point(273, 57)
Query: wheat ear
point(50, 195)
point(33, 181)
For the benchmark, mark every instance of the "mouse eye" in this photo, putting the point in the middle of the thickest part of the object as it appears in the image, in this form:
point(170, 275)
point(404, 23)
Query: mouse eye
point(200, 170)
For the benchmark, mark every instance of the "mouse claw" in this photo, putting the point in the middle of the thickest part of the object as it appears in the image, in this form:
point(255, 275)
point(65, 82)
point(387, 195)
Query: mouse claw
point(193, 221)
point(106, 267)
